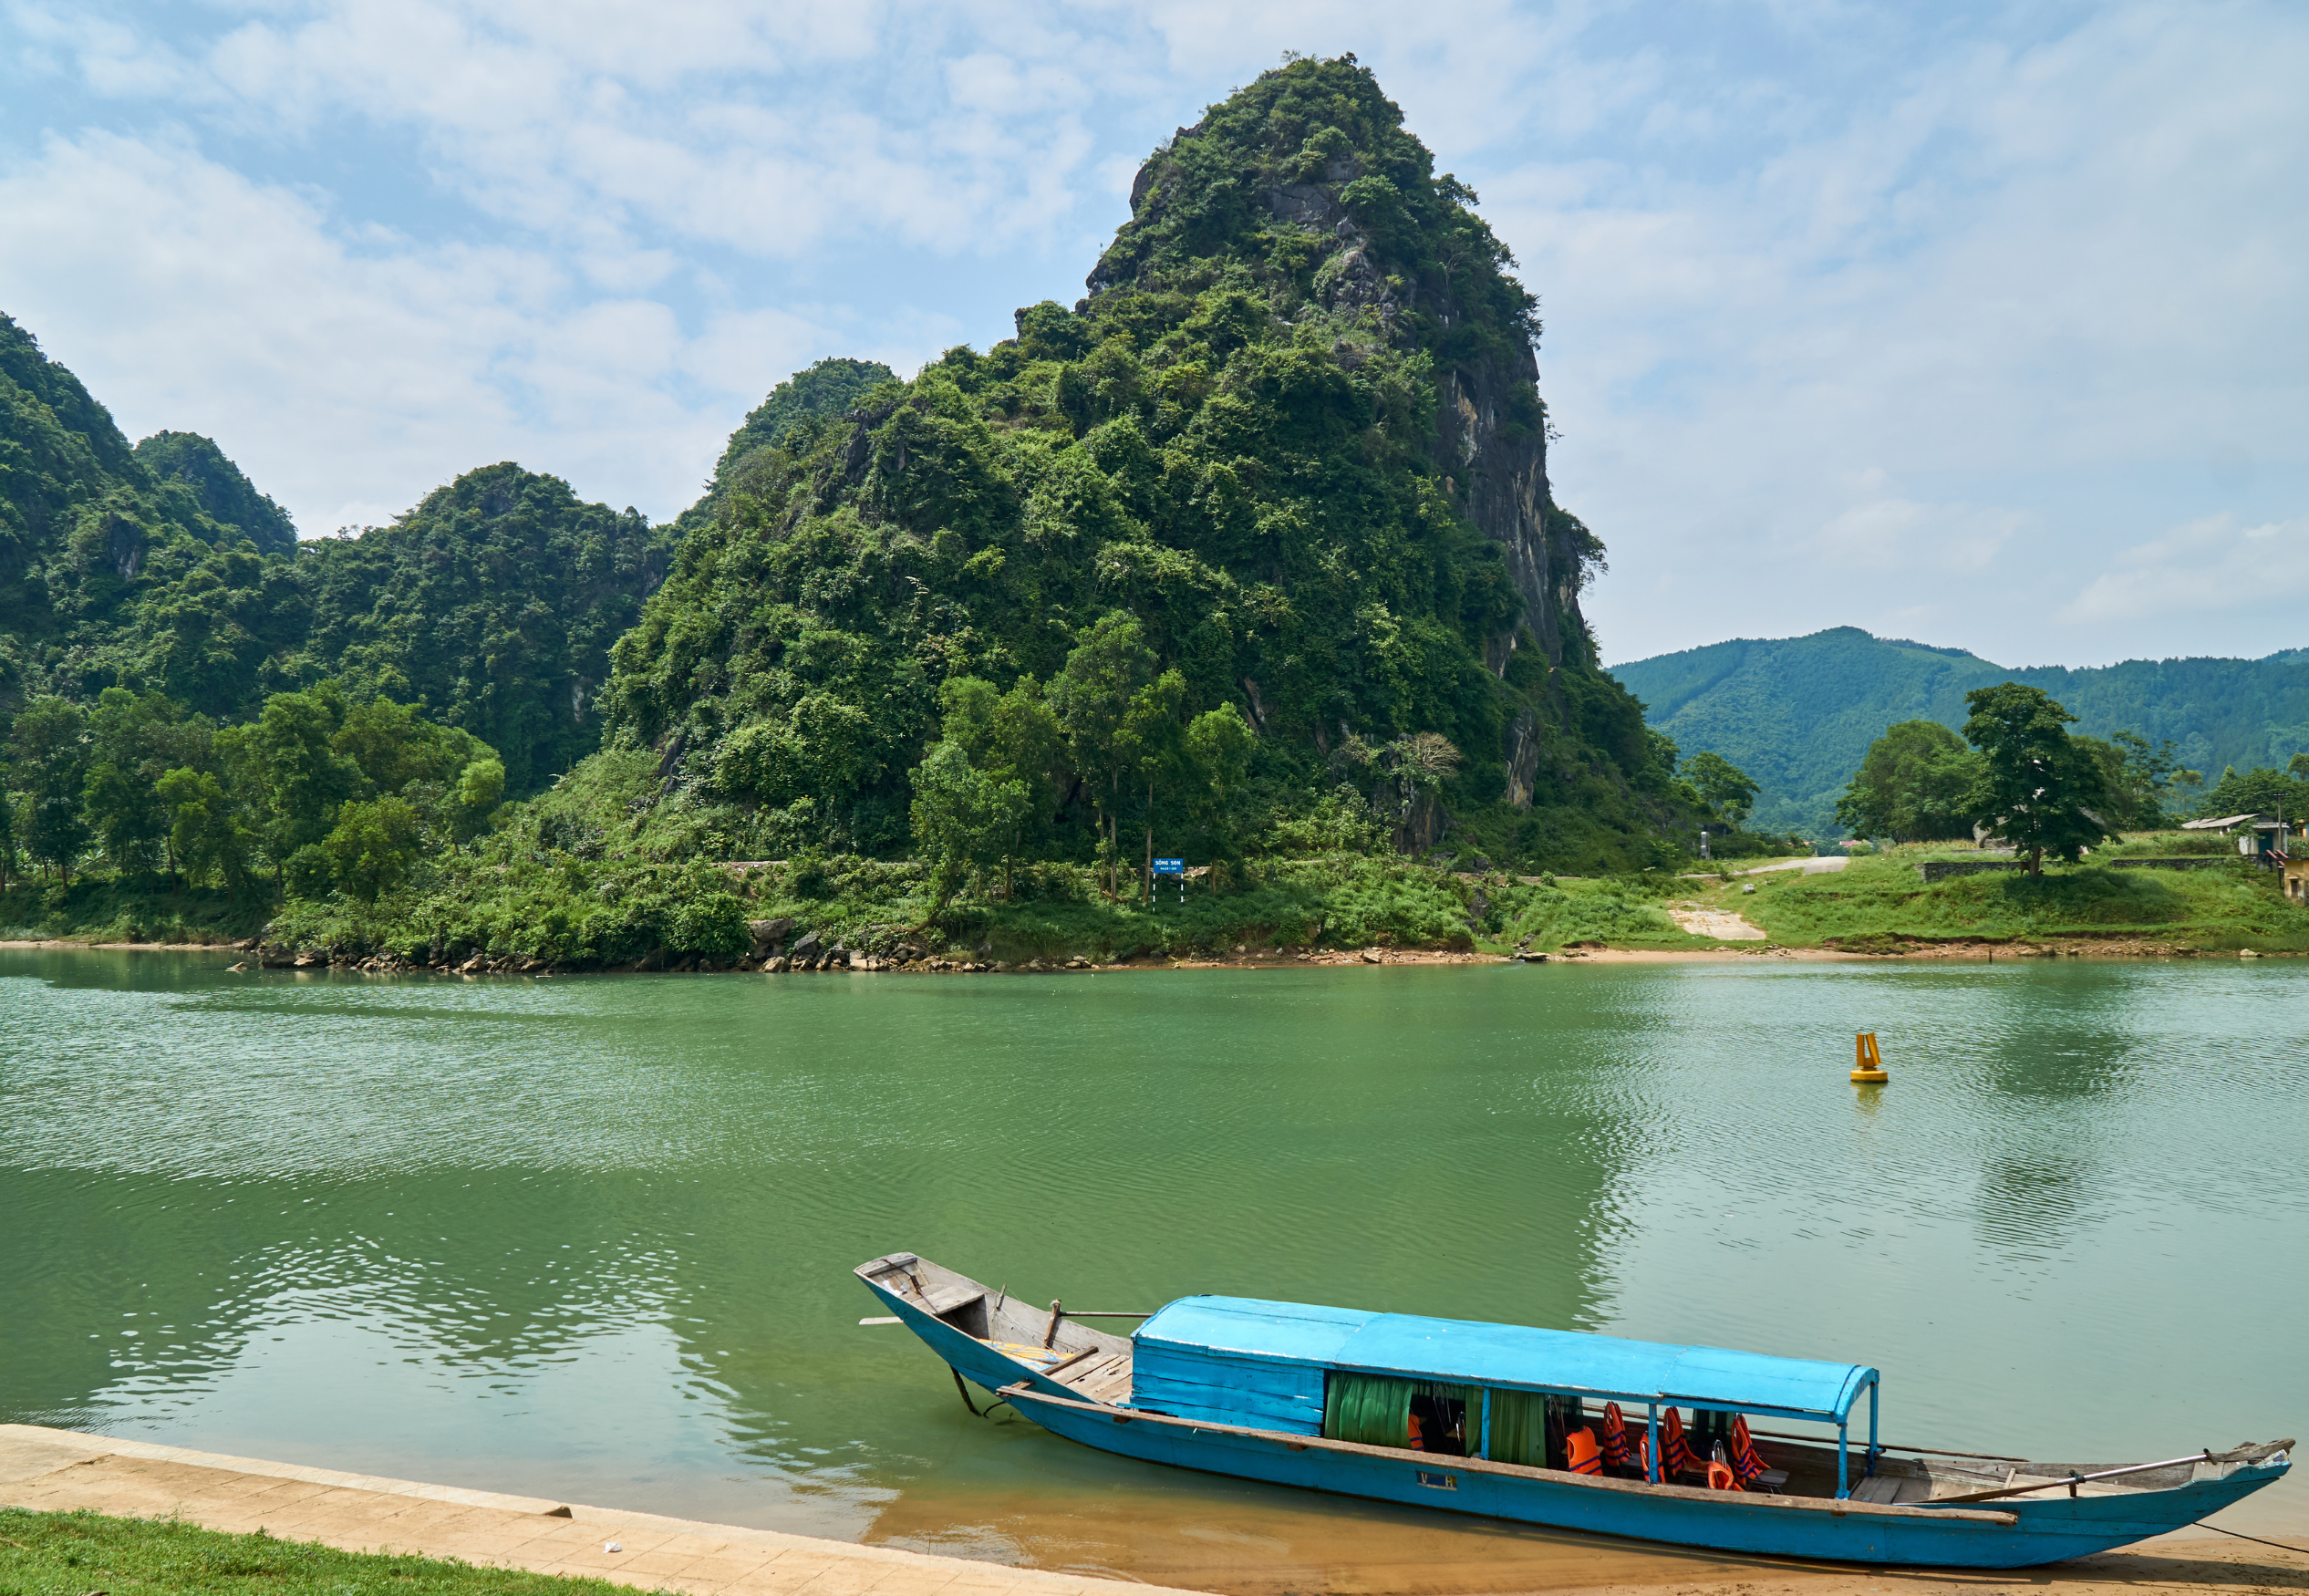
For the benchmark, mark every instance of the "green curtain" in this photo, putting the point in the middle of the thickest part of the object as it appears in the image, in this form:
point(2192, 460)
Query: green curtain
point(1367, 1408)
point(1520, 1428)
point(1376, 1410)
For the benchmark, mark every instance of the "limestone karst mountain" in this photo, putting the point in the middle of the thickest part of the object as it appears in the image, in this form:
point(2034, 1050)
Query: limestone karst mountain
point(1292, 432)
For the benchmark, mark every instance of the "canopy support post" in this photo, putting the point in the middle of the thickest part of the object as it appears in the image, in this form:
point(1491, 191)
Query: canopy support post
point(1483, 1451)
point(1652, 1464)
point(1874, 1451)
point(1843, 1479)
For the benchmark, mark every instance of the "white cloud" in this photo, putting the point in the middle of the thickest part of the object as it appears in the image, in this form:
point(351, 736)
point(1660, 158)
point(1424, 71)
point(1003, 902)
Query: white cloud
point(1900, 534)
point(2209, 567)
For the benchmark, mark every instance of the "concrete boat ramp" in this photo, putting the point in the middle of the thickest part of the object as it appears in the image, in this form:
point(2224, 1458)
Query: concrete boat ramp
point(61, 1470)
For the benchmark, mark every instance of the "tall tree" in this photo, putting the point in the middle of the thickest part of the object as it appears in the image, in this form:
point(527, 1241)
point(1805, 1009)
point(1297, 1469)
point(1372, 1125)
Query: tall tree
point(372, 846)
point(1093, 700)
point(964, 819)
point(8, 828)
point(2038, 787)
point(1722, 786)
point(135, 739)
point(1220, 744)
point(1152, 744)
point(208, 831)
point(49, 760)
point(287, 765)
point(1916, 784)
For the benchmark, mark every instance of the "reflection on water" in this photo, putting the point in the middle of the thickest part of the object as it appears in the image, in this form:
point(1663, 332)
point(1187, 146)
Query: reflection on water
point(590, 1238)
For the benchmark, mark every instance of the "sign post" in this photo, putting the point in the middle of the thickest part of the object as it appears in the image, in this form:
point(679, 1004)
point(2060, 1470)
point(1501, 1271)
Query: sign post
point(1173, 868)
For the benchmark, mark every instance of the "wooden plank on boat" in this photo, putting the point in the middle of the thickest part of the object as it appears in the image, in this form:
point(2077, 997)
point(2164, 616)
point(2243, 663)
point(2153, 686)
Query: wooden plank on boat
point(1068, 1362)
point(947, 1299)
point(1090, 1370)
point(1125, 1415)
point(1106, 1388)
point(1878, 1487)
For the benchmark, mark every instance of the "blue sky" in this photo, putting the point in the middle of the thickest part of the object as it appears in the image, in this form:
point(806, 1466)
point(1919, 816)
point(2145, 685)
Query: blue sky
point(1985, 326)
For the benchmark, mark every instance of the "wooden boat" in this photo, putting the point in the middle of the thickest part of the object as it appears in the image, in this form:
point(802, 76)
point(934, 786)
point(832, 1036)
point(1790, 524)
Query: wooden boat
point(1287, 1393)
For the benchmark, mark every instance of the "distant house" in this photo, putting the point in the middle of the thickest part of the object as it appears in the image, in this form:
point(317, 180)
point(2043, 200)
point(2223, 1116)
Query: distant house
point(2225, 824)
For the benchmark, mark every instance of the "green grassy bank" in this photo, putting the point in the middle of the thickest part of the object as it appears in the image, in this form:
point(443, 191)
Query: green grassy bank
point(74, 1554)
point(1882, 904)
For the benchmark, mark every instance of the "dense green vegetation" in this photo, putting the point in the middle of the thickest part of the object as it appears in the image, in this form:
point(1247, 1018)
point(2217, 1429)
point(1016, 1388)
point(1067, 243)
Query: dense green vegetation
point(1799, 713)
point(320, 794)
point(162, 569)
point(226, 496)
point(2282, 794)
point(823, 394)
point(72, 1554)
point(494, 603)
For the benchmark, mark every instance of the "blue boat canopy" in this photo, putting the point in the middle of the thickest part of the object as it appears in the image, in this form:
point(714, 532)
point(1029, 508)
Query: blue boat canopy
point(1508, 1356)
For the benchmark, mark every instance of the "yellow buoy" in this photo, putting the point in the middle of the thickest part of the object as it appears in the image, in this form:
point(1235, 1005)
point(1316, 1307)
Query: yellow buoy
point(1870, 1070)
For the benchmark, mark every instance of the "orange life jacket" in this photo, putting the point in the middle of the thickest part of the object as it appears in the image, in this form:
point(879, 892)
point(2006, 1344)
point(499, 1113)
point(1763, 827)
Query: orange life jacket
point(1722, 1478)
point(1615, 1438)
point(1418, 1442)
point(1586, 1457)
point(1744, 1458)
point(1676, 1457)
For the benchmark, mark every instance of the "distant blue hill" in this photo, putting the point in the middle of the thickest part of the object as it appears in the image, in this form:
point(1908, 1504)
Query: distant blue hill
point(1797, 714)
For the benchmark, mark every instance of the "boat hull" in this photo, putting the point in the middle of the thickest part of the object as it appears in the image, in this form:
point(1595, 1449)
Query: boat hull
point(2042, 1531)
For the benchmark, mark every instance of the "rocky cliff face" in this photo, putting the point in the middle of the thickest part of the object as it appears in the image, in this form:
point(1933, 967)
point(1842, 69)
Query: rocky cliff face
point(1490, 445)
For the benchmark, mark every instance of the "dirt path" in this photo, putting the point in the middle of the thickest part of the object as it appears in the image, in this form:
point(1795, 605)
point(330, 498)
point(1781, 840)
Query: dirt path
point(1720, 924)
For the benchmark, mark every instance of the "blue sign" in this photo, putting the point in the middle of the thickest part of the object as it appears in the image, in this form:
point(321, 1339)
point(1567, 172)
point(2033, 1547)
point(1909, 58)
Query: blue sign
point(1170, 866)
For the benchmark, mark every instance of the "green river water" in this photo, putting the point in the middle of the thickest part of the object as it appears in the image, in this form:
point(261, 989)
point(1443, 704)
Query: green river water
point(590, 1238)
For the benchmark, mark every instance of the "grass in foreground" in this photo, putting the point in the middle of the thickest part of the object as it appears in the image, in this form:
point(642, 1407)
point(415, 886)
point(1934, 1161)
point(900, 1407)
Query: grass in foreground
point(84, 1553)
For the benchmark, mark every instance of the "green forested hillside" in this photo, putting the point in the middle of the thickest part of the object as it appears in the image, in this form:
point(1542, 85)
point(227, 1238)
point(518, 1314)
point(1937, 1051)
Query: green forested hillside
point(825, 392)
point(162, 568)
point(1798, 713)
point(229, 498)
point(494, 603)
point(1290, 443)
